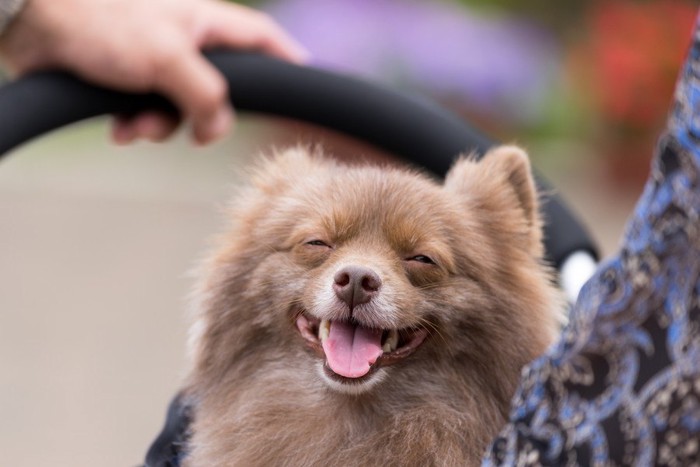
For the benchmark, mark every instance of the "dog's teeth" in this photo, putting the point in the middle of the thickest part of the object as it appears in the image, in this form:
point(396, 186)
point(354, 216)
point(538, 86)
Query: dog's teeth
point(392, 341)
point(324, 329)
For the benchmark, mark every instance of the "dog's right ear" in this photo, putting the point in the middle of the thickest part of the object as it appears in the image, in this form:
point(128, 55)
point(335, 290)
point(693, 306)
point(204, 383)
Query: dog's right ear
point(286, 168)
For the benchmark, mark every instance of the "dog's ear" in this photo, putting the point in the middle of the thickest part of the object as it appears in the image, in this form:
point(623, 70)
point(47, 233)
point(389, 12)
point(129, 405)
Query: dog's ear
point(514, 165)
point(500, 184)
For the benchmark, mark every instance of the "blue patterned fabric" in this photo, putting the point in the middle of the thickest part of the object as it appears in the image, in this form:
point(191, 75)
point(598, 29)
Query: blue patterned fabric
point(622, 386)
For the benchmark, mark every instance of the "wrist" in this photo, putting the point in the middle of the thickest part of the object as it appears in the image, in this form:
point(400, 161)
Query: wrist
point(9, 9)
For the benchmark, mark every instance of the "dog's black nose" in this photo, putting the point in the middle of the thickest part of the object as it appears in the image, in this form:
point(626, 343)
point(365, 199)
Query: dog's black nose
point(356, 285)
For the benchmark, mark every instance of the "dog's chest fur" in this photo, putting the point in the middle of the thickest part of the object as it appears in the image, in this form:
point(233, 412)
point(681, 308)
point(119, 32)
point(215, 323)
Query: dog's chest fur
point(280, 420)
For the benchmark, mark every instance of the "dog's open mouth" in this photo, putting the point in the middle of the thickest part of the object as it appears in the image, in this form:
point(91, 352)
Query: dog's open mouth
point(353, 351)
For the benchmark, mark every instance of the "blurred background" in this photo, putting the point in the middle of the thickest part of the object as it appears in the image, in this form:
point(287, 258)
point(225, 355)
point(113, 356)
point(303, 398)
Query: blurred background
point(96, 241)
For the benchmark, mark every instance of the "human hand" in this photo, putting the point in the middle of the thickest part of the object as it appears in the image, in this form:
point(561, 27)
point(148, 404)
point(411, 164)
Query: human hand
point(146, 46)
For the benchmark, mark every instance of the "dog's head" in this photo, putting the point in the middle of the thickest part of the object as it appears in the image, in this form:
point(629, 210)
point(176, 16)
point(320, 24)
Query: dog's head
point(370, 267)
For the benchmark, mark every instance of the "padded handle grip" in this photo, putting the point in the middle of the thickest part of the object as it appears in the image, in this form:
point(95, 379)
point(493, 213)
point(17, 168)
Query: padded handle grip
point(415, 129)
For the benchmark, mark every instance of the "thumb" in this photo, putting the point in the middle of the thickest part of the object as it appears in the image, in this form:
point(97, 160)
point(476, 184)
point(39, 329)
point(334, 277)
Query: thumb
point(240, 27)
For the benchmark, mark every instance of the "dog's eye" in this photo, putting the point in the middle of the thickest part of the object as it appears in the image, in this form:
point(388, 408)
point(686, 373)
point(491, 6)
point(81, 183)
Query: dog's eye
point(422, 259)
point(318, 243)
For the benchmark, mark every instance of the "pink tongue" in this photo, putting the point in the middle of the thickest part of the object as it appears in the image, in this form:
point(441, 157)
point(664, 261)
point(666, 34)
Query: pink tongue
point(351, 350)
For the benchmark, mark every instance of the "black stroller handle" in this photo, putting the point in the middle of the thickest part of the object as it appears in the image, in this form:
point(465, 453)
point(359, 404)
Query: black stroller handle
point(415, 129)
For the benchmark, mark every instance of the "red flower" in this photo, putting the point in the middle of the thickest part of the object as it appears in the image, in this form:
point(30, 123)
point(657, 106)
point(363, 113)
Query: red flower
point(634, 55)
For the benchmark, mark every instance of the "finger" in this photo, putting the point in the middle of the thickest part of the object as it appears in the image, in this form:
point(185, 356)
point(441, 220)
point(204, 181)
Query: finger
point(244, 28)
point(153, 126)
point(215, 128)
point(122, 130)
point(199, 91)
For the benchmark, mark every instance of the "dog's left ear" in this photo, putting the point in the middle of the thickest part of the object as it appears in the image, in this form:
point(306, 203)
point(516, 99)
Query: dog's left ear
point(500, 184)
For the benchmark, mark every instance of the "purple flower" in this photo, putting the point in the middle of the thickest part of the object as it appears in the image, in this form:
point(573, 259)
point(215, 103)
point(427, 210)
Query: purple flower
point(496, 65)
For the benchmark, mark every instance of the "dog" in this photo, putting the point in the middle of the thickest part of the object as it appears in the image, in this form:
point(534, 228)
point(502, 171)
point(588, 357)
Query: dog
point(366, 315)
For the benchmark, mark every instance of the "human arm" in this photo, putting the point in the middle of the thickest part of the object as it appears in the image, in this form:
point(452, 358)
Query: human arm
point(145, 46)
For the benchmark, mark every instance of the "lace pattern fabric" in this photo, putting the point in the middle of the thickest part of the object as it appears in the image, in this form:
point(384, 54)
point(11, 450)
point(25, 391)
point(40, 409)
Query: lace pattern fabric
point(8, 10)
point(622, 385)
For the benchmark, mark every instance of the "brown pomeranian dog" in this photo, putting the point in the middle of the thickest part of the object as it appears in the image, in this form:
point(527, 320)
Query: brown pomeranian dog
point(369, 316)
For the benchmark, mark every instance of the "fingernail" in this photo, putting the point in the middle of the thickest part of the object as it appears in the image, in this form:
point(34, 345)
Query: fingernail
point(218, 126)
point(123, 134)
point(303, 55)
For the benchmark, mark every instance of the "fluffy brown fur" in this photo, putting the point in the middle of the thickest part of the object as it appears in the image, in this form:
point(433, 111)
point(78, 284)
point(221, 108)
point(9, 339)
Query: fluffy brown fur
point(486, 301)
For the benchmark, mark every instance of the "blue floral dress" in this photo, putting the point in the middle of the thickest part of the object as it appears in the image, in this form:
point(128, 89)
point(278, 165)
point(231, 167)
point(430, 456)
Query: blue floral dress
point(622, 386)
